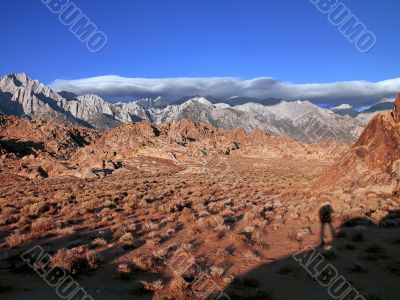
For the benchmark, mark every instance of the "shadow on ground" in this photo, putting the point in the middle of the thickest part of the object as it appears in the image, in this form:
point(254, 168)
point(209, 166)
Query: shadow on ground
point(19, 281)
point(365, 254)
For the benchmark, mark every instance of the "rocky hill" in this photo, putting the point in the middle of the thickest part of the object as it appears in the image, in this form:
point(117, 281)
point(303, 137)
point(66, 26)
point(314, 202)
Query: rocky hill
point(40, 147)
point(372, 163)
point(69, 150)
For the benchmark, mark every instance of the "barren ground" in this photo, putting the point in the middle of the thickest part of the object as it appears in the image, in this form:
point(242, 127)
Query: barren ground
point(239, 218)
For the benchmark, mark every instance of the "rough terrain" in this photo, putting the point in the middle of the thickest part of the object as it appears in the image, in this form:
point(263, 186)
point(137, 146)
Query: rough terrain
point(179, 210)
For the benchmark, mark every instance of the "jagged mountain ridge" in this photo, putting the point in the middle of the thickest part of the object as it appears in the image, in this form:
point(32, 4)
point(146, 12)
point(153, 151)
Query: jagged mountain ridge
point(22, 96)
point(298, 120)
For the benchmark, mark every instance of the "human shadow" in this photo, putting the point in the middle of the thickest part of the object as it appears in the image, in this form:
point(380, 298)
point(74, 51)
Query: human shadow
point(325, 217)
point(362, 263)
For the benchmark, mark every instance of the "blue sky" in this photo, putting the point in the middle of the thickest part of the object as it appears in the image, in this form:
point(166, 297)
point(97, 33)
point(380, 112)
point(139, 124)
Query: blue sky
point(284, 39)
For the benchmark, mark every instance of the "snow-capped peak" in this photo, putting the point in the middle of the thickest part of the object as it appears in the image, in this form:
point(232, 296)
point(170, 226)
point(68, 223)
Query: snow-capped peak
point(200, 100)
point(343, 106)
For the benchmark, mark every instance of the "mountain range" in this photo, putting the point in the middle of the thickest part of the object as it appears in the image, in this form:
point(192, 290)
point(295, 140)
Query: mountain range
point(299, 120)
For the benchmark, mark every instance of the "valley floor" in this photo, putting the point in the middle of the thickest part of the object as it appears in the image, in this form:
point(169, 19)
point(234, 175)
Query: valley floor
point(155, 230)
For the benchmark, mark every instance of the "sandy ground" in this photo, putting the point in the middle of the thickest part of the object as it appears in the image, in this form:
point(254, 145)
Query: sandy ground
point(239, 218)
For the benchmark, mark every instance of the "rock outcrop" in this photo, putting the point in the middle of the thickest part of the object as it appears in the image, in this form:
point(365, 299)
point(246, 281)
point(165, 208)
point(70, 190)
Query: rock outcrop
point(57, 140)
point(72, 150)
point(373, 162)
point(40, 148)
point(193, 142)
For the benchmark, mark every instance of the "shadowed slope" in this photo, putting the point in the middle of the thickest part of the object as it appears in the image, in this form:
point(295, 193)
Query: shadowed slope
point(372, 163)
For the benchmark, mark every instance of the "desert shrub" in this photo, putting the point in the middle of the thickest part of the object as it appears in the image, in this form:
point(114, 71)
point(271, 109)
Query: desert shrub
point(8, 211)
point(177, 285)
point(142, 263)
point(215, 221)
point(93, 259)
point(153, 239)
point(179, 205)
point(89, 206)
point(65, 231)
point(216, 271)
point(152, 286)
point(215, 207)
point(235, 237)
point(69, 260)
point(5, 220)
point(14, 240)
point(118, 231)
point(230, 220)
point(99, 242)
point(251, 255)
point(187, 216)
point(185, 248)
point(150, 226)
point(250, 215)
point(203, 214)
point(126, 240)
point(41, 225)
point(24, 220)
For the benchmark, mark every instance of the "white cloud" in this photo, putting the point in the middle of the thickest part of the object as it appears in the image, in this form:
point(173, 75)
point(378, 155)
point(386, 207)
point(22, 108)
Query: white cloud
point(356, 93)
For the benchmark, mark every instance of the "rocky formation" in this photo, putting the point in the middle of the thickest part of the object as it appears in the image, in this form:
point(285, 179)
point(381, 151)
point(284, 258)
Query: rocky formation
point(57, 140)
point(70, 150)
point(185, 142)
point(373, 162)
point(39, 148)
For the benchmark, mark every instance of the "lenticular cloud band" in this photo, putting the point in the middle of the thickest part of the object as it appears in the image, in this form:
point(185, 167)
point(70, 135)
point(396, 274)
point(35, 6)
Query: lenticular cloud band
point(358, 93)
